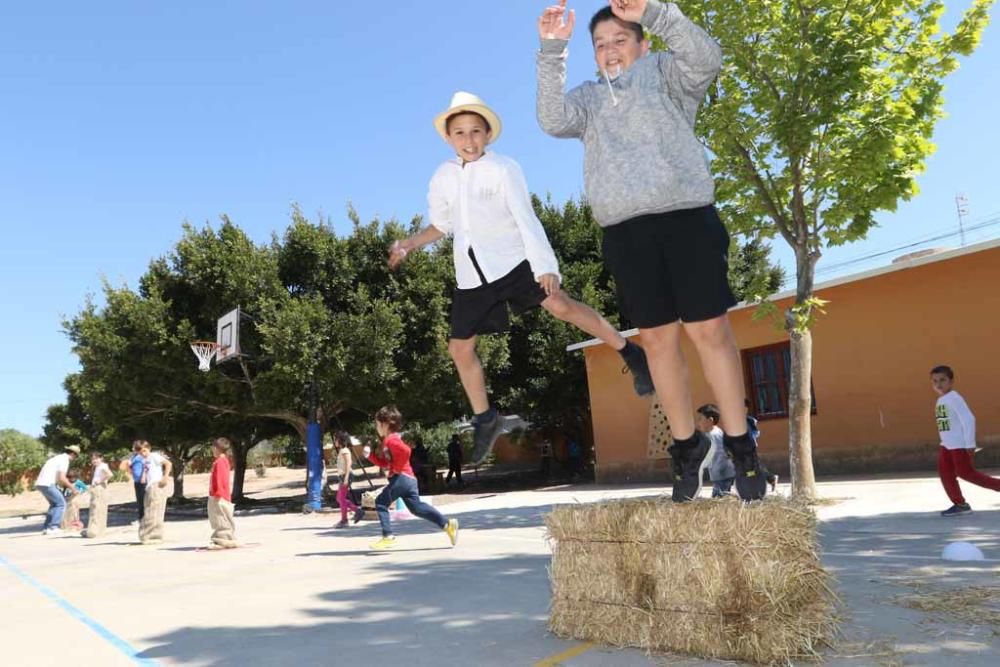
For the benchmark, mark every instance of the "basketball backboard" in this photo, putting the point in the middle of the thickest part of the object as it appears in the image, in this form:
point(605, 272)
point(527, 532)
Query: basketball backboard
point(228, 336)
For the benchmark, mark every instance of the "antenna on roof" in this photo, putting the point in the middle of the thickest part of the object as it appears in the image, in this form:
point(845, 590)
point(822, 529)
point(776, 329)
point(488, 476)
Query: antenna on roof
point(962, 206)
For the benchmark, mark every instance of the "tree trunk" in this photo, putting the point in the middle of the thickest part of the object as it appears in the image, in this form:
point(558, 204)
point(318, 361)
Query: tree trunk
point(800, 417)
point(177, 472)
point(800, 384)
point(241, 450)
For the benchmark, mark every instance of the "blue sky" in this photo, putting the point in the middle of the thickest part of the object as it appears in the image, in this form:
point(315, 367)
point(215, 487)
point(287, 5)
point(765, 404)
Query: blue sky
point(121, 119)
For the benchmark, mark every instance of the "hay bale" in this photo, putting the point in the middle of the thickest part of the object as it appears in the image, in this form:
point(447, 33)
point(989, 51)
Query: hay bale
point(715, 579)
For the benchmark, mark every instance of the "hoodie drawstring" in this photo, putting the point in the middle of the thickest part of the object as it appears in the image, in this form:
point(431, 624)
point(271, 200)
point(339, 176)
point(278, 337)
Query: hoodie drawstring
point(611, 89)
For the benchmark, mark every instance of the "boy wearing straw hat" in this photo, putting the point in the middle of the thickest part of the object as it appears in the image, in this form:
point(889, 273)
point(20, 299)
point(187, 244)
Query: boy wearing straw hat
point(50, 478)
point(502, 256)
point(647, 178)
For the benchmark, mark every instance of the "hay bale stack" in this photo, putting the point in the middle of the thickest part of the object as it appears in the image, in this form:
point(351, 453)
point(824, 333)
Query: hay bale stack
point(715, 579)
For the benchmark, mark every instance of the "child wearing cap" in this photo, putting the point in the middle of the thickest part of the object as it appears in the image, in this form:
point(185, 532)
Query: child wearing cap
point(647, 177)
point(502, 256)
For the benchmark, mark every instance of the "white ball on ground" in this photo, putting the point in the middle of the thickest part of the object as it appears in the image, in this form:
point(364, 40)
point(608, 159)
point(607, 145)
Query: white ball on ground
point(962, 551)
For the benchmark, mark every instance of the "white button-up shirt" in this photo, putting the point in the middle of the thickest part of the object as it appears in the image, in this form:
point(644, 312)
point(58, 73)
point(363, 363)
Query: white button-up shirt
point(485, 205)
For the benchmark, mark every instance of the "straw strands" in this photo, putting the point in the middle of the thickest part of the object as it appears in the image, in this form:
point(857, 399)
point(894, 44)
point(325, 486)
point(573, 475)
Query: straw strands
point(715, 579)
point(972, 605)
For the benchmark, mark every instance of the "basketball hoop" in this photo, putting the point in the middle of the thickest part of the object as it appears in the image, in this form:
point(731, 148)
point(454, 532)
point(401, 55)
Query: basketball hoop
point(205, 350)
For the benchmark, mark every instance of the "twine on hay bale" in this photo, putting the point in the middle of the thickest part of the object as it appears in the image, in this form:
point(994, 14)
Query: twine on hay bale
point(715, 579)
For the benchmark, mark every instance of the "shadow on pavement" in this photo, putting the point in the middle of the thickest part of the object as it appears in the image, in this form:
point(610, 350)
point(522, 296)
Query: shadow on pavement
point(426, 614)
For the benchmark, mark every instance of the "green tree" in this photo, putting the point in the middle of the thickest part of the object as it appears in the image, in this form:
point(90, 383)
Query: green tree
point(70, 423)
point(822, 116)
point(19, 455)
point(325, 308)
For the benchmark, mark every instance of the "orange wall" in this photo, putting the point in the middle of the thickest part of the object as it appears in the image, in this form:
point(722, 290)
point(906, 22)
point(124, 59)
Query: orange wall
point(524, 451)
point(871, 355)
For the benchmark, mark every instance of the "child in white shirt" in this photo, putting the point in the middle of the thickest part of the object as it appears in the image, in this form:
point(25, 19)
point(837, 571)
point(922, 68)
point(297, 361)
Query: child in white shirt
point(97, 519)
point(957, 428)
point(502, 256)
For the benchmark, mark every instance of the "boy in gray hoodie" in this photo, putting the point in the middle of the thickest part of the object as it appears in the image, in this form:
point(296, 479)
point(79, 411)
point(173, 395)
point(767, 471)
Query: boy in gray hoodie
point(647, 179)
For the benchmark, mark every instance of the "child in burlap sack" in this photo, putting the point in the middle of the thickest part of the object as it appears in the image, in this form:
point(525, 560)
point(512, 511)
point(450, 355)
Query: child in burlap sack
point(97, 520)
point(220, 498)
point(155, 469)
point(74, 494)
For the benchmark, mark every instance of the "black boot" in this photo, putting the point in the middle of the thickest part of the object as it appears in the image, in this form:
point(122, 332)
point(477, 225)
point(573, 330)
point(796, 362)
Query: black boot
point(687, 458)
point(751, 480)
point(635, 360)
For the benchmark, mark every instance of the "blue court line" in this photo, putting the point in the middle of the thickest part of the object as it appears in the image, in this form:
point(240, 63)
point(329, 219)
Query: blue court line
point(102, 631)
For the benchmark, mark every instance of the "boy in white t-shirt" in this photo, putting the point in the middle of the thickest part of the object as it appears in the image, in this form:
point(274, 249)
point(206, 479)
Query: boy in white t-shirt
point(957, 428)
point(156, 468)
point(503, 259)
point(50, 478)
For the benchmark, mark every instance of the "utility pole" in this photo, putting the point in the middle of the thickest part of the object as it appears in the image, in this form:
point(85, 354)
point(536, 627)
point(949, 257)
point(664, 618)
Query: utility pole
point(962, 206)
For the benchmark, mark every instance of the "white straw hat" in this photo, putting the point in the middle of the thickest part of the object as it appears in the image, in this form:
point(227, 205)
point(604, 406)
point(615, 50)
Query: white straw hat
point(462, 101)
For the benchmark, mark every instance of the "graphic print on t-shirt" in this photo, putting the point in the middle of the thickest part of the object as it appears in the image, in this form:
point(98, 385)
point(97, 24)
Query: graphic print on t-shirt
point(943, 421)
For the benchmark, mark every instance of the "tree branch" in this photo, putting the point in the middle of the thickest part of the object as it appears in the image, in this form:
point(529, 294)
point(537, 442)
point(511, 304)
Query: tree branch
point(751, 169)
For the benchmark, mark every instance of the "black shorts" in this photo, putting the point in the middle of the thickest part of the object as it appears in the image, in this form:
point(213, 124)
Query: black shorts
point(670, 266)
point(483, 309)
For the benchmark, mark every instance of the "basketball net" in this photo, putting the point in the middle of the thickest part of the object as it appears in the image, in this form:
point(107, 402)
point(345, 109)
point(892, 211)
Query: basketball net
point(205, 351)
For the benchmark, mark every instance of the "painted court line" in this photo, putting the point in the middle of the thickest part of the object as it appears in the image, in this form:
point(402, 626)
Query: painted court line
point(101, 631)
point(568, 654)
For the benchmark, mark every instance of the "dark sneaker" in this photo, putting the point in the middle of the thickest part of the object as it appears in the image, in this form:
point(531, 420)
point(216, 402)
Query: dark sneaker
point(485, 434)
point(773, 481)
point(359, 514)
point(635, 362)
point(341, 524)
point(955, 510)
point(687, 459)
point(751, 479)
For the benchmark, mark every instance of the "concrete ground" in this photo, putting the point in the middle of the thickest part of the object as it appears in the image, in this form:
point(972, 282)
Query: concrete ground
point(301, 591)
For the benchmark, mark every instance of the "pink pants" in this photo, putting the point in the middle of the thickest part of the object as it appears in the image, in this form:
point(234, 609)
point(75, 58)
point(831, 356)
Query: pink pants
point(344, 501)
point(955, 464)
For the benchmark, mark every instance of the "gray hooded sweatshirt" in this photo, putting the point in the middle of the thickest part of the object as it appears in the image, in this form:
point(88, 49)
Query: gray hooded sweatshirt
point(641, 154)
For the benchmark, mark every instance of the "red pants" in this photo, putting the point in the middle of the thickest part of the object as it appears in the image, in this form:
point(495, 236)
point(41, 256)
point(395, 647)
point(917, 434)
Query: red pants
point(344, 501)
point(955, 464)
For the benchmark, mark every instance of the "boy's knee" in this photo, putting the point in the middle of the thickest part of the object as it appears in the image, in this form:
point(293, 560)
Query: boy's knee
point(713, 332)
point(462, 349)
point(559, 305)
point(658, 341)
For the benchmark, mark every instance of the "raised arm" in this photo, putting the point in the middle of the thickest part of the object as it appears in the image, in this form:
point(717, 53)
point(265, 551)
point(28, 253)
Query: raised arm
point(558, 114)
point(694, 59)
